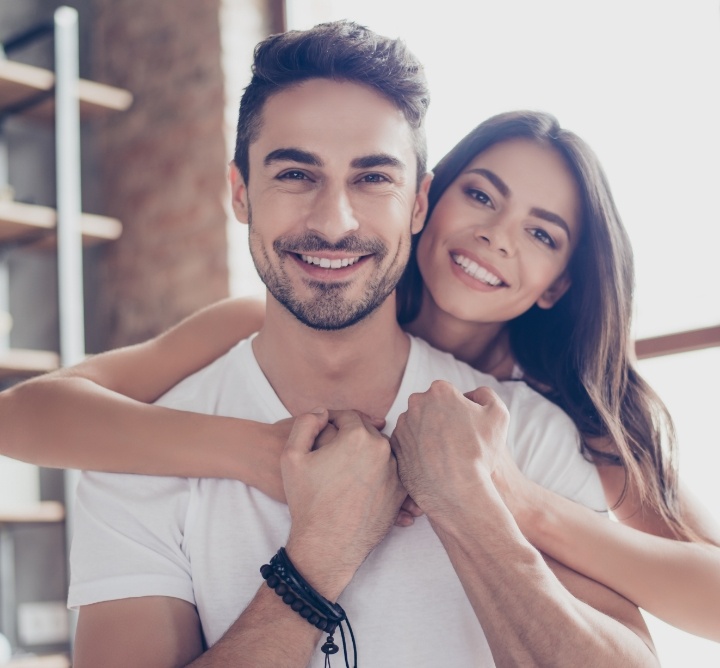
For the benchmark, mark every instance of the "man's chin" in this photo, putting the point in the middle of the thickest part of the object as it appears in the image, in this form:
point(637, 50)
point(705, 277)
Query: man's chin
point(330, 320)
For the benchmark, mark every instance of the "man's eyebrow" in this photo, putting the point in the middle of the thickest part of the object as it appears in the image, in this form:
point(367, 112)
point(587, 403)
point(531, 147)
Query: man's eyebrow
point(551, 217)
point(493, 178)
point(292, 155)
point(377, 160)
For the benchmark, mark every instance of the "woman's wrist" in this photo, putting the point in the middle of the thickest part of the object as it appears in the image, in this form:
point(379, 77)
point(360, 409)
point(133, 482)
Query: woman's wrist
point(523, 498)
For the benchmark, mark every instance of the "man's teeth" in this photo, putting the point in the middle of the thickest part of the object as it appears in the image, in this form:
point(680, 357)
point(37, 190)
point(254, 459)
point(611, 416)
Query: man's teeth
point(473, 269)
point(327, 263)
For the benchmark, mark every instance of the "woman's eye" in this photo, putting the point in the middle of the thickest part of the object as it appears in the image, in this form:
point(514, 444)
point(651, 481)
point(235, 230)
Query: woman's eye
point(544, 237)
point(479, 195)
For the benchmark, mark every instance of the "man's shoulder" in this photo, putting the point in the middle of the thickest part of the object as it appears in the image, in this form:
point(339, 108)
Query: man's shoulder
point(200, 391)
point(520, 399)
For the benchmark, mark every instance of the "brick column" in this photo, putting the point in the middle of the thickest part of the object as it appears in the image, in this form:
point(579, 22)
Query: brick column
point(162, 164)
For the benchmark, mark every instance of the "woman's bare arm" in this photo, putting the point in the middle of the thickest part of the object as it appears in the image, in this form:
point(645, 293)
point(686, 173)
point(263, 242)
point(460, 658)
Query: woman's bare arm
point(676, 581)
point(96, 415)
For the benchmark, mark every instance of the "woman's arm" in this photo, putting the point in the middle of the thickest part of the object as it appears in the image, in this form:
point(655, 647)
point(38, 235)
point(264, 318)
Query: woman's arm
point(676, 581)
point(96, 415)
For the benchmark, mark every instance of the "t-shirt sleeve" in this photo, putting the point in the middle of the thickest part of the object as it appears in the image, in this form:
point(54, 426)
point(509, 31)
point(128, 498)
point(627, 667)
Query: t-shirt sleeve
point(546, 446)
point(129, 530)
point(128, 539)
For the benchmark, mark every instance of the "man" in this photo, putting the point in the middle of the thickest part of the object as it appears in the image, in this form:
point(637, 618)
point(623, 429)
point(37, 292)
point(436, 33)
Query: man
point(329, 173)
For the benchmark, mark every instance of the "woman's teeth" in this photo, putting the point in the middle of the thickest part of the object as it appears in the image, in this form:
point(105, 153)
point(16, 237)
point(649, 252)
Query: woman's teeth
point(473, 269)
point(327, 263)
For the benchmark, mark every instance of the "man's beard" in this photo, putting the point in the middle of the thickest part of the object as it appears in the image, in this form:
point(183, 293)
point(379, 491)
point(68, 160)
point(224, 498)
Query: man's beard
point(329, 308)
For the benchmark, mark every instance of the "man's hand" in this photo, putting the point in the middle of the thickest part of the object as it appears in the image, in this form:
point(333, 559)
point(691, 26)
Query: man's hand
point(343, 497)
point(445, 443)
point(409, 509)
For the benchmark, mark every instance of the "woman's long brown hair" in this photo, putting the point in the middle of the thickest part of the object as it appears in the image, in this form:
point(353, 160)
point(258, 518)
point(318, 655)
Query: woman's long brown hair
point(579, 354)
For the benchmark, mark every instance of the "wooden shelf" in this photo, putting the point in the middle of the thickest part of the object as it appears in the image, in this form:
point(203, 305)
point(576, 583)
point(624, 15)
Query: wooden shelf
point(20, 83)
point(17, 362)
point(48, 661)
point(45, 511)
point(28, 221)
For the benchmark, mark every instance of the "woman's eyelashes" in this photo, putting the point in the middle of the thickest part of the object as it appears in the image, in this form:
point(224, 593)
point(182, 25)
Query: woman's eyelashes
point(479, 196)
point(542, 236)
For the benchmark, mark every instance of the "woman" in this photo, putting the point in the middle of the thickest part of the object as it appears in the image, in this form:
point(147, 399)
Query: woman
point(527, 272)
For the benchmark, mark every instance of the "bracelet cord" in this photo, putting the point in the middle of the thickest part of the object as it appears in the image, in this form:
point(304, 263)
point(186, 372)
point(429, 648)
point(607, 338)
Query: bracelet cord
point(282, 576)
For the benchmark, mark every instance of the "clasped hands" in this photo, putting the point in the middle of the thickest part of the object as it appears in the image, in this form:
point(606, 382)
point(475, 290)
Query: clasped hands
point(346, 480)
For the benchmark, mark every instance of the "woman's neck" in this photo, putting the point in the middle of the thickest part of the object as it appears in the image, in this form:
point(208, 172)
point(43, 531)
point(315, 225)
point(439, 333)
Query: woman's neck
point(485, 346)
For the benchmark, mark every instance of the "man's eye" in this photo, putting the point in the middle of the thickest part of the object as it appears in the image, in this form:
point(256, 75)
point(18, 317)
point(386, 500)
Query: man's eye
point(293, 175)
point(374, 178)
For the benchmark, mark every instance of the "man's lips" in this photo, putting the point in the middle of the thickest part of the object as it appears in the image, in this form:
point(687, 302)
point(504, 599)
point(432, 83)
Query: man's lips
point(330, 262)
point(326, 265)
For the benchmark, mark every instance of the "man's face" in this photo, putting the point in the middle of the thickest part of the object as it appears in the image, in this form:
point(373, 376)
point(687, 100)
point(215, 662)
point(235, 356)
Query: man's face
point(331, 200)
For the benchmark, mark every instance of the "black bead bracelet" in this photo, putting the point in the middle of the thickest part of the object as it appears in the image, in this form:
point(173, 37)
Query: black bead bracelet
point(282, 576)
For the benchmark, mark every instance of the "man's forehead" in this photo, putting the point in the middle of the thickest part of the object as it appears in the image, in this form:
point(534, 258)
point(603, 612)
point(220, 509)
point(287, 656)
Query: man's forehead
point(334, 121)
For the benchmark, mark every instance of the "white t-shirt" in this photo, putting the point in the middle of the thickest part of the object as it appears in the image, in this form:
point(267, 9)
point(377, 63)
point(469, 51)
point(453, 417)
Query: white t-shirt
point(204, 540)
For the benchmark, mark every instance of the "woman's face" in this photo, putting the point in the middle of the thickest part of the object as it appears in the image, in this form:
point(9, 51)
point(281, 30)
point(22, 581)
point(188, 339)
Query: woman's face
point(500, 238)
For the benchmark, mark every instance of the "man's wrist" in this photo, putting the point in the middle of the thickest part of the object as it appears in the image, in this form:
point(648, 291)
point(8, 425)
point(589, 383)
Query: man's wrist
point(325, 571)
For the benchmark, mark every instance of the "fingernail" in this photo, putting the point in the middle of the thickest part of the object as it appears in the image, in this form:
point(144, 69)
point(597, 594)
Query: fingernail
point(318, 411)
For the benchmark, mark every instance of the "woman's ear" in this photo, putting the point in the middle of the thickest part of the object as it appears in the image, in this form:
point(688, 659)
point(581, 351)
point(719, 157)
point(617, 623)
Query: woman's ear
point(560, 286)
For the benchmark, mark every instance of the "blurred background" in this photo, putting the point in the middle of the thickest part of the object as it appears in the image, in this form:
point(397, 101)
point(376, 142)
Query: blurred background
point(637, 79)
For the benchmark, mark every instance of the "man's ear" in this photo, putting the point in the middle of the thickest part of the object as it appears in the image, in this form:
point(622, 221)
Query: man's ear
point(238, 191)
point(421, 204)
point(560, 286)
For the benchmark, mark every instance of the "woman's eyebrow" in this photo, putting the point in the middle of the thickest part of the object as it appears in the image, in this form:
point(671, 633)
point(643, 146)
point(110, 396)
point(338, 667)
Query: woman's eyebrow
point(551, 217)
point(493, 178)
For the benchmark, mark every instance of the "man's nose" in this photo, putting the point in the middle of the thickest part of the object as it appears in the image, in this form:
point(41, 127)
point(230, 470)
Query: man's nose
point(332, 215)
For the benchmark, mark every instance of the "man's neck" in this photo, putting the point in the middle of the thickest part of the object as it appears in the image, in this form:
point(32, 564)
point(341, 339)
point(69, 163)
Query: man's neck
point(359, 367)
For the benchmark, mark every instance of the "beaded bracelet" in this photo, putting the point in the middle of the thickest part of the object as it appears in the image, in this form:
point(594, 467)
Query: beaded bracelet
point(282, 576)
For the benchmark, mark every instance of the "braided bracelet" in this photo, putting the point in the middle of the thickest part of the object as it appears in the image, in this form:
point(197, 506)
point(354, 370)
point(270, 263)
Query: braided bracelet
point(281, 576)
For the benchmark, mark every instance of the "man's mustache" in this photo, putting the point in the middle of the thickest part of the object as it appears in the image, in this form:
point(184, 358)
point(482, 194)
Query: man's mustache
point(305, 244)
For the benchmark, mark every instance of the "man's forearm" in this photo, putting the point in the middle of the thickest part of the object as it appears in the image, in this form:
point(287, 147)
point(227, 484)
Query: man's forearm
point(268, 633)
point(528, 616)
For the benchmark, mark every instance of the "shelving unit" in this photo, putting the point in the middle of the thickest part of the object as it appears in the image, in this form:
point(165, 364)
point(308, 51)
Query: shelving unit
point(19, 363)
point(48, 512)
point(32, 92)
point(29, 90)
point(50, 661)
point(42, 95)
point(29, 223)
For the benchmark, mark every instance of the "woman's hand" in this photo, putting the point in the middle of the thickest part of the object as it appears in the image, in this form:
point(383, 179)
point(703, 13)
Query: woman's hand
point(447, 444)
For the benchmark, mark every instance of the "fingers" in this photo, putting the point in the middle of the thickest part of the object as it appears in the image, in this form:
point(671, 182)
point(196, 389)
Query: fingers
point(483, 396)
point(411, 508)
point(404, 519)
point(327, 436)
point(306, 429)
point(352, 419)
point(377, 422)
